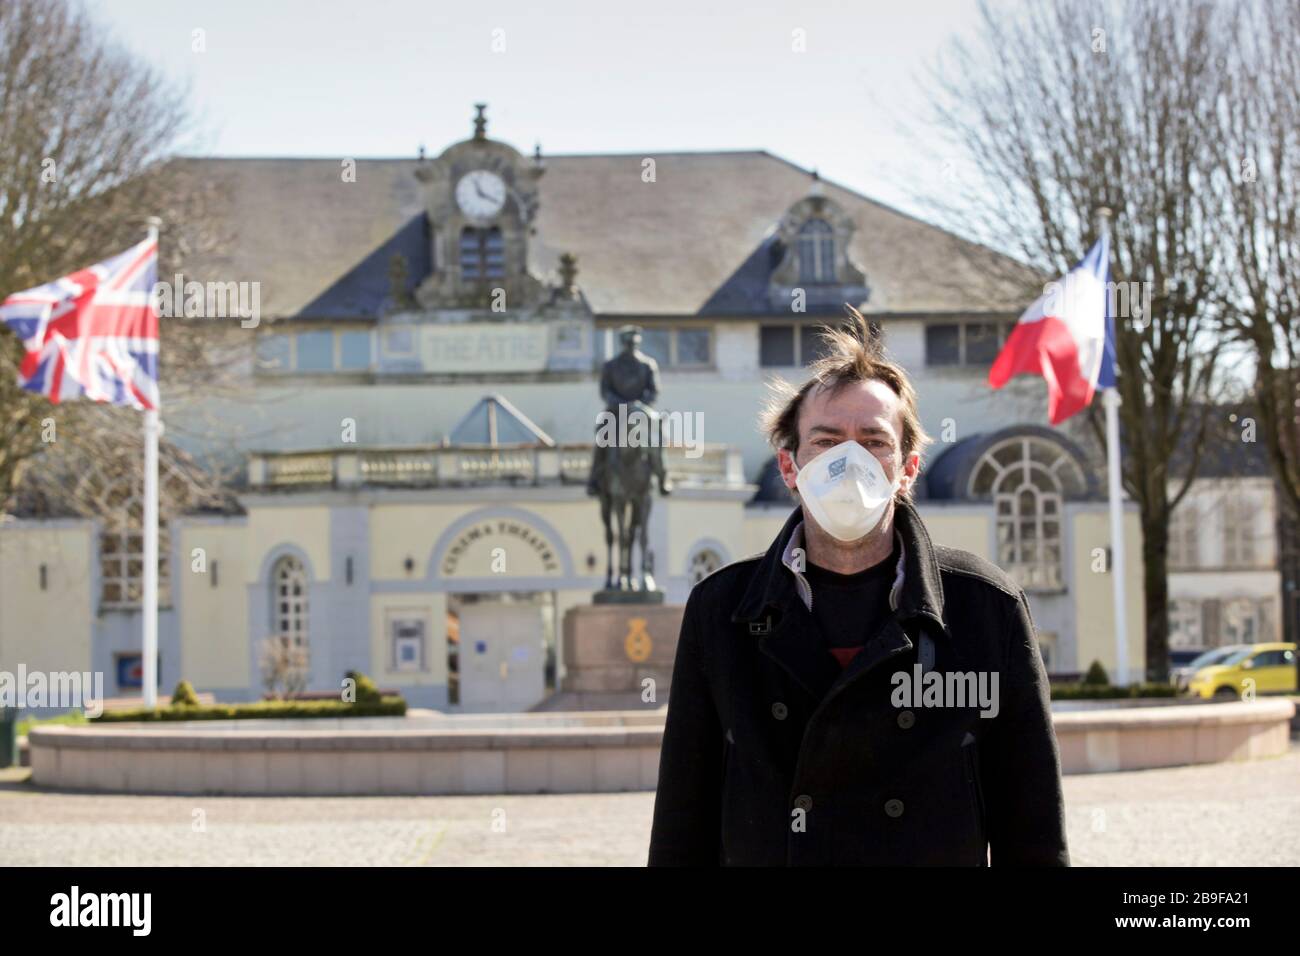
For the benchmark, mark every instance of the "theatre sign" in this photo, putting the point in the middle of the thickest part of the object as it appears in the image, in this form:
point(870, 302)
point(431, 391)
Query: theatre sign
point(500, 546)
point(415, 344)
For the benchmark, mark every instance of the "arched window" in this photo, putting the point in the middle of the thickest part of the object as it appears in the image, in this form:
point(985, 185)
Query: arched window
point(703, 563)
point(1028, 479)
point(289, 594)
point(816, 251)
point(482, 253)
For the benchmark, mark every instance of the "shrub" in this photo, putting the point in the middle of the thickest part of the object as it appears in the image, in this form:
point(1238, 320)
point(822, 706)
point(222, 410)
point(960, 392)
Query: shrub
point(184, 696)
point(1096, 676)
point(367, 690)
point(72, 717)
point(1085, 691)
point(277, 709)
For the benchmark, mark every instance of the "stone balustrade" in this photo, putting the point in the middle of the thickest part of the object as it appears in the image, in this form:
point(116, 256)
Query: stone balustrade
point(451, 466)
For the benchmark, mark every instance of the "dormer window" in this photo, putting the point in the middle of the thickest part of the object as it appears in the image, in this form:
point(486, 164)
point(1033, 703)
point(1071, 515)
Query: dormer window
point(816, 244)
point(482, 253)
point(815, 271)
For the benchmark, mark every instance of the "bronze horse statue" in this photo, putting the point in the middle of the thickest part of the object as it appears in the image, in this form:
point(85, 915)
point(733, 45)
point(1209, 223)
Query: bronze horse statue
point(625, 493)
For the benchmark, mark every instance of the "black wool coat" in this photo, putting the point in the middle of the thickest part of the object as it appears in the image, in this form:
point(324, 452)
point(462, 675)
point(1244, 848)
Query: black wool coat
point(774, 756)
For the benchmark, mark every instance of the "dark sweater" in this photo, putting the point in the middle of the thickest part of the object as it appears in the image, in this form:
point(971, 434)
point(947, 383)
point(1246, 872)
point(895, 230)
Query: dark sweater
point(850, 609)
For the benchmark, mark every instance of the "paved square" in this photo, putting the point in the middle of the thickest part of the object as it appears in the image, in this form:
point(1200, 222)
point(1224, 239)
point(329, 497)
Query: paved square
point(1245, 814)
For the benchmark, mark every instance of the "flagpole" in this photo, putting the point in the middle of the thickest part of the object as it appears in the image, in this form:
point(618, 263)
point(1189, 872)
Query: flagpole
point(1111, 402)
point(150, 596)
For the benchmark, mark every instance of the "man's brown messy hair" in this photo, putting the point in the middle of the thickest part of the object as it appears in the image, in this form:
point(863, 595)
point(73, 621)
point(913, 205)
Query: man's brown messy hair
point(852, 354)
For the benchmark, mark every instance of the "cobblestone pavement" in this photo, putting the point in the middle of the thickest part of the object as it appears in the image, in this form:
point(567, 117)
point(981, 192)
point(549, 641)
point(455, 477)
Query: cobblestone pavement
point(1242, 814)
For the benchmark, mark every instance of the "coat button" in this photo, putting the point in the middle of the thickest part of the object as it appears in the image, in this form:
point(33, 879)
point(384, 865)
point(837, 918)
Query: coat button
point(894, 808)
point(906, 719)
point(779, 710)
point(803, 801)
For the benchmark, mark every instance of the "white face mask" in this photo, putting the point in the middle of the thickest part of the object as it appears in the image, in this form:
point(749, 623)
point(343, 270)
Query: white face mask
point(844, 489)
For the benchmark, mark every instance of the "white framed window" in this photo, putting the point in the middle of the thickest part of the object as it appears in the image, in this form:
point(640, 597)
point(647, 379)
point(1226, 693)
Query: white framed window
point(1185, 616)
point(121, 564)
point(816, 246)
point(313, 351)
point(1028, 479)
point(316, 351)
point(678, 347)
point(1245, 621)
point(975, 343)
point(482, 253)
point(703, 563)
point(399, 341)
point(1239, 539)
point(355, 350)
point(290, 609)
point(1184, 535)
point(789, 345)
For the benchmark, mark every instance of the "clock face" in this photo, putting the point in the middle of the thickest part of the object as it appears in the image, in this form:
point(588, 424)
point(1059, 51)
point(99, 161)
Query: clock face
point(481, 194)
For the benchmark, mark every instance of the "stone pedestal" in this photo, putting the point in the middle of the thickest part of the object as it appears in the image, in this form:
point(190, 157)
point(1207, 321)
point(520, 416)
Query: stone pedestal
point(610, 649)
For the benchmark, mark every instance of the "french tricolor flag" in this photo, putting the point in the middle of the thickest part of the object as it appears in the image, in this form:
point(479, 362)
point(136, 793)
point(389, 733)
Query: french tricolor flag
point(1067, 336)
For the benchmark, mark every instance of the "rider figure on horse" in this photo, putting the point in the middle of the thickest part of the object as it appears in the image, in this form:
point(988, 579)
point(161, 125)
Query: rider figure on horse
point(630, 378)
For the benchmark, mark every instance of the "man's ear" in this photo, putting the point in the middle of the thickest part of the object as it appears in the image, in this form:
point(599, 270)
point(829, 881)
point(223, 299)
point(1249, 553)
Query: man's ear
point(911, 471)
point(785, 461)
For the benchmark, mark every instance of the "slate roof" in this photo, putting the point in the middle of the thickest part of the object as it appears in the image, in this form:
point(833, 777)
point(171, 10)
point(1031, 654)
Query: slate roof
point(1225, 453)
point(697, 241)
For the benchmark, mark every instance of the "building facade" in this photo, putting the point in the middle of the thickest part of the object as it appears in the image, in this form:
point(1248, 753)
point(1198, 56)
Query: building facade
point(417, 422)
point(1227, 542)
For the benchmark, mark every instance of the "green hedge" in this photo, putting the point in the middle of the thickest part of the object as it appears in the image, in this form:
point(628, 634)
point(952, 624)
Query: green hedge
point(1107, 692)
point(367, 692)
point(279, 709)
point(72, 717)
point(184, 696)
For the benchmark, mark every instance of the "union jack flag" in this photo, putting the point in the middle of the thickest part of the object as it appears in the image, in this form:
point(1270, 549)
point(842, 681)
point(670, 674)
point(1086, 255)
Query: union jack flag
point(92, 334)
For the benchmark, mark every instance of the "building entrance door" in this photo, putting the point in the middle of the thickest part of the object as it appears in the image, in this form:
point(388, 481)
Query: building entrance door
point(502, 657)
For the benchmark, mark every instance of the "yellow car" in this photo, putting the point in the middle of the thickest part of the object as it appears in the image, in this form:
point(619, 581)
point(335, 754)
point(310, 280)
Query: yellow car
point(1260, 668)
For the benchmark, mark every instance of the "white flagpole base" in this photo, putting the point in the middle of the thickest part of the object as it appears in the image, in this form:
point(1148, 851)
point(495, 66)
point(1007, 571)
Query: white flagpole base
point(1110, 398)
point(149, 606)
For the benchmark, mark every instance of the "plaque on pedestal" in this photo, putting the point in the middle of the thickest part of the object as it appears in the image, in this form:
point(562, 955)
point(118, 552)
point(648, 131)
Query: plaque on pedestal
point(618, 656)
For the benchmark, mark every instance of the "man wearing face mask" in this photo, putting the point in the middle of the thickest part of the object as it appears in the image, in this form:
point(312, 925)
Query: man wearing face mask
point(822, 707)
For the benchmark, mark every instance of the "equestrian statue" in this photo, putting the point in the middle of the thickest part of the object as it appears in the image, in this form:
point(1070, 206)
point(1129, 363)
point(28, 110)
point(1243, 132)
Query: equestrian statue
point(628, 459)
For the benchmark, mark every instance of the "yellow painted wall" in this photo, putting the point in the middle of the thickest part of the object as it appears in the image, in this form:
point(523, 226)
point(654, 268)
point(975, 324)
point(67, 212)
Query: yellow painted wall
point(964, 530)
point(691, 521)
point(1093, 600)
point(398, 531)
point(46, 630)
point(308, 528)
point(761, 528)
point(214, 620)
point(433, 607)
point(580, 525)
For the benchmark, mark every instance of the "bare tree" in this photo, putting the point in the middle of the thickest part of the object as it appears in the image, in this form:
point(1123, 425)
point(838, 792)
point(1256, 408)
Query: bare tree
point(86, 136)
point(284, 666)
point(1254, 203)
point(1068, 105)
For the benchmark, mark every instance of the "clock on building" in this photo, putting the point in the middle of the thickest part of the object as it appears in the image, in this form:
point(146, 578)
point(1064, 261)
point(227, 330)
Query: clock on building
point(481, 194)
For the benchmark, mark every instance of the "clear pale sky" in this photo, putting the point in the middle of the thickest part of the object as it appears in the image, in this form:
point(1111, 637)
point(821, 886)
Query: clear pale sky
point(379, 78)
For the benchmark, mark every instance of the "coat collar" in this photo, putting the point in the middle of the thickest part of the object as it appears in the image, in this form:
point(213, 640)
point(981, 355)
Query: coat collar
point(917, 589)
